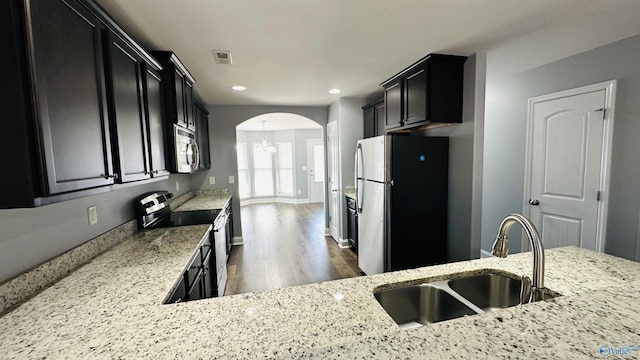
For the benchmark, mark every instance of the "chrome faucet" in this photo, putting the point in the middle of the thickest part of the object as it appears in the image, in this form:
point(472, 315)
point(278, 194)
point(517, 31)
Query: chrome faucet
point(501, 248)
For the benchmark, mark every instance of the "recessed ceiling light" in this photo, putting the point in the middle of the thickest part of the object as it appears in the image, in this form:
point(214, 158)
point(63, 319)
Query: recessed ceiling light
point(335, 91)
point(239, 88)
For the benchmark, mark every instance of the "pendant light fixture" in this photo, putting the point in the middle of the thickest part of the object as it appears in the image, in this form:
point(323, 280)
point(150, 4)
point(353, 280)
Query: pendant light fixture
point(266, 146)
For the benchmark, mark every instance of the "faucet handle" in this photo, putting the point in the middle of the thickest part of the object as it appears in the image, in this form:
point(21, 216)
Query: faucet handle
point(525, 290)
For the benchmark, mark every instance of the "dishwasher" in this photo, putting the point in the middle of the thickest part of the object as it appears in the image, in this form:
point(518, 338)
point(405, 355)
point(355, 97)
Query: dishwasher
point(220, 251)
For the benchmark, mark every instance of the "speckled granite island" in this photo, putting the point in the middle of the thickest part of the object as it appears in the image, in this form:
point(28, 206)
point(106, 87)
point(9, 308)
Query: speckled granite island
point(112, 308)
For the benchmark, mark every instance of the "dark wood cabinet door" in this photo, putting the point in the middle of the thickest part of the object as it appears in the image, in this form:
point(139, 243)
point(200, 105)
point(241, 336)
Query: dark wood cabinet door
point(127, 111)
point(369, 126)
point(415, 96)
point(379, 119)
point(202, 135)
point(393, 100)
point(155, 122)
point(188, 106)
point(179, 294)
point(70, 95)
point(179, 84)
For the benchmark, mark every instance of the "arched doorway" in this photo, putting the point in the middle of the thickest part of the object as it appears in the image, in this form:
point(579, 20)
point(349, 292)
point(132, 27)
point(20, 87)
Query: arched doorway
point(280, 158)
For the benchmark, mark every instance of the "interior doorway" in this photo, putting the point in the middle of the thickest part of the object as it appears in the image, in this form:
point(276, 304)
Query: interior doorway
point(315, 164)
point(567, 172)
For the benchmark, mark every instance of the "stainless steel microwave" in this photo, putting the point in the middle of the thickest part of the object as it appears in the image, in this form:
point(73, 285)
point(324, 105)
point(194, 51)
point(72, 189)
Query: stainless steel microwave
point(187, 154)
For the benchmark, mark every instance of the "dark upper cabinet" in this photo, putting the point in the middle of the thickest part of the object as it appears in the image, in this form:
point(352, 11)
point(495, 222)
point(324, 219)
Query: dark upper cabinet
point(415, 95)
point(128, 122)
point(379, 114)
point(55, 94)
point(429, 91)
point(72, 89)
point(152, 87)
point(393, 102)
point(178, 90)
point(189, 104)
point(374, 115)
point(201, 116)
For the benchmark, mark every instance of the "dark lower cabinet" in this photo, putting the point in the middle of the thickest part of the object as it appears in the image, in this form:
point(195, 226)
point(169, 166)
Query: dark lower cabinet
point(179, 293)
point(208, 277)
point(352, 223)
point(128, 120)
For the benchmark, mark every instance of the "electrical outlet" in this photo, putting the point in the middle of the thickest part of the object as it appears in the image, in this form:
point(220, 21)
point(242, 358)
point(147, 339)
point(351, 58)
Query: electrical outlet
point(92, 212)
point(232, 179)
point(177, 185)
point(304, 168)
point(212, 180)
point(299, 191)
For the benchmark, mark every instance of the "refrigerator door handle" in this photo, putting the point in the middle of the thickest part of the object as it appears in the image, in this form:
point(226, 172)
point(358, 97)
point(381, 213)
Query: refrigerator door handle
point(359, 180)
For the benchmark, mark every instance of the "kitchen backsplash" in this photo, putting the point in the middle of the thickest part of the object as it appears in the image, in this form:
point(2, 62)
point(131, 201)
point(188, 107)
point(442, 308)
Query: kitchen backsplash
point(21, 288)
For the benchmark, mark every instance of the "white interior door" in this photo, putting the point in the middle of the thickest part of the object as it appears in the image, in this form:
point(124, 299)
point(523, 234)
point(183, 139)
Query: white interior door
point(333, 180)
point(315, 165)
point(567, 166)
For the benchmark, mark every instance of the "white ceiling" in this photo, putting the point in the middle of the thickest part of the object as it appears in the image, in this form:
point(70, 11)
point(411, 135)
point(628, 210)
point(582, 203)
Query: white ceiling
point(291, 52)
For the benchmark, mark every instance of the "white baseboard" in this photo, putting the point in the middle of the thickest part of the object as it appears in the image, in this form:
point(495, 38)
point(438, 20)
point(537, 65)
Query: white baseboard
point(327, 232)
point(272, 200)
point(485, 254)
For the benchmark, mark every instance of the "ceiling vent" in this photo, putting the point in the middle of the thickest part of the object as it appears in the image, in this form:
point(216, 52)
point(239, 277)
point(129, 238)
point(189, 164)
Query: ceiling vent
point(222, 57)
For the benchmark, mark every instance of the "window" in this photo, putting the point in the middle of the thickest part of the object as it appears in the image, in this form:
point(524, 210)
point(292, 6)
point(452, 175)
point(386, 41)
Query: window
point(285, 168)
point(244, 176)
point(262, 171)
point(318, 163)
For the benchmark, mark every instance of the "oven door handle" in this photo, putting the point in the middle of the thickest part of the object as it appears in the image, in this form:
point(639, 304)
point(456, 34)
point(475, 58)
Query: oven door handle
point(220, 222)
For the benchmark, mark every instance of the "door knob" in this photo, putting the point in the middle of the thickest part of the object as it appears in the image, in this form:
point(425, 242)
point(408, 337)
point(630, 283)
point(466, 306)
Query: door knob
point(534, 202)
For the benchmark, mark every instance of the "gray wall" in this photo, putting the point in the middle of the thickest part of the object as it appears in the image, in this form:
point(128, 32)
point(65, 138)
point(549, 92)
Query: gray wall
point(298, 138)
point(347, 112)
point(461, 171)
point(223, 120)
point(505, 132)
point(29, 237)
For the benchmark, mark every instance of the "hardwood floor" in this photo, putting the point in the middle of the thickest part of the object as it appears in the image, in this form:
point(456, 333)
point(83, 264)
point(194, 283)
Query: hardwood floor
point(284, 245)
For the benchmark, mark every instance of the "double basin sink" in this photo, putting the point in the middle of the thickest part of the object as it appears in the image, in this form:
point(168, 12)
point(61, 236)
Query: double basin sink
point(466, 294)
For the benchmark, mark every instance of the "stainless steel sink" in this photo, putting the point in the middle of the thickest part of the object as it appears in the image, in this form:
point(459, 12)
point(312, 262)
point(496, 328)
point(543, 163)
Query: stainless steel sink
point(431, 302)
point(421, 304)
point(488, 291)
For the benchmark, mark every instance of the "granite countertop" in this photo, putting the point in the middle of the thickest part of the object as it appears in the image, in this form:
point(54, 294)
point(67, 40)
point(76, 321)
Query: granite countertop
point(112, 308)
point(350, 191)
point(204, 202)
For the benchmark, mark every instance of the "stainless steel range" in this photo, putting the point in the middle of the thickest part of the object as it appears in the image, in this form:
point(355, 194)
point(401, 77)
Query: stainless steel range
point(154, 211)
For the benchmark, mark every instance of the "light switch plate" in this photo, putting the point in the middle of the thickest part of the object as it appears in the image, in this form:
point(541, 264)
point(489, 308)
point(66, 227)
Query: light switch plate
point(177, 185)
point(92, 213)
point(212, 180)
point(304, 168)
point(232, 179)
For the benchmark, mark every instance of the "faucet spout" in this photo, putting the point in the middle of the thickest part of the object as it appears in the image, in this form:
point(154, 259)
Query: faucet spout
point(501, 245)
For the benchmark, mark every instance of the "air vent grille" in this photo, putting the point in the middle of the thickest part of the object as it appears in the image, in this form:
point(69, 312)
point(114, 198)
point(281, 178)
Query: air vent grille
point(222, 57)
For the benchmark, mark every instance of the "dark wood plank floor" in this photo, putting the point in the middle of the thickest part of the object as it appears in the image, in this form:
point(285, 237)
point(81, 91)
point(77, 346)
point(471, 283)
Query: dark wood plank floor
point(284, 245)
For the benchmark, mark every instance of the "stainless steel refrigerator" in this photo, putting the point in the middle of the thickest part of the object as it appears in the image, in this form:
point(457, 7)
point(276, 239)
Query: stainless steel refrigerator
point(401, 199)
